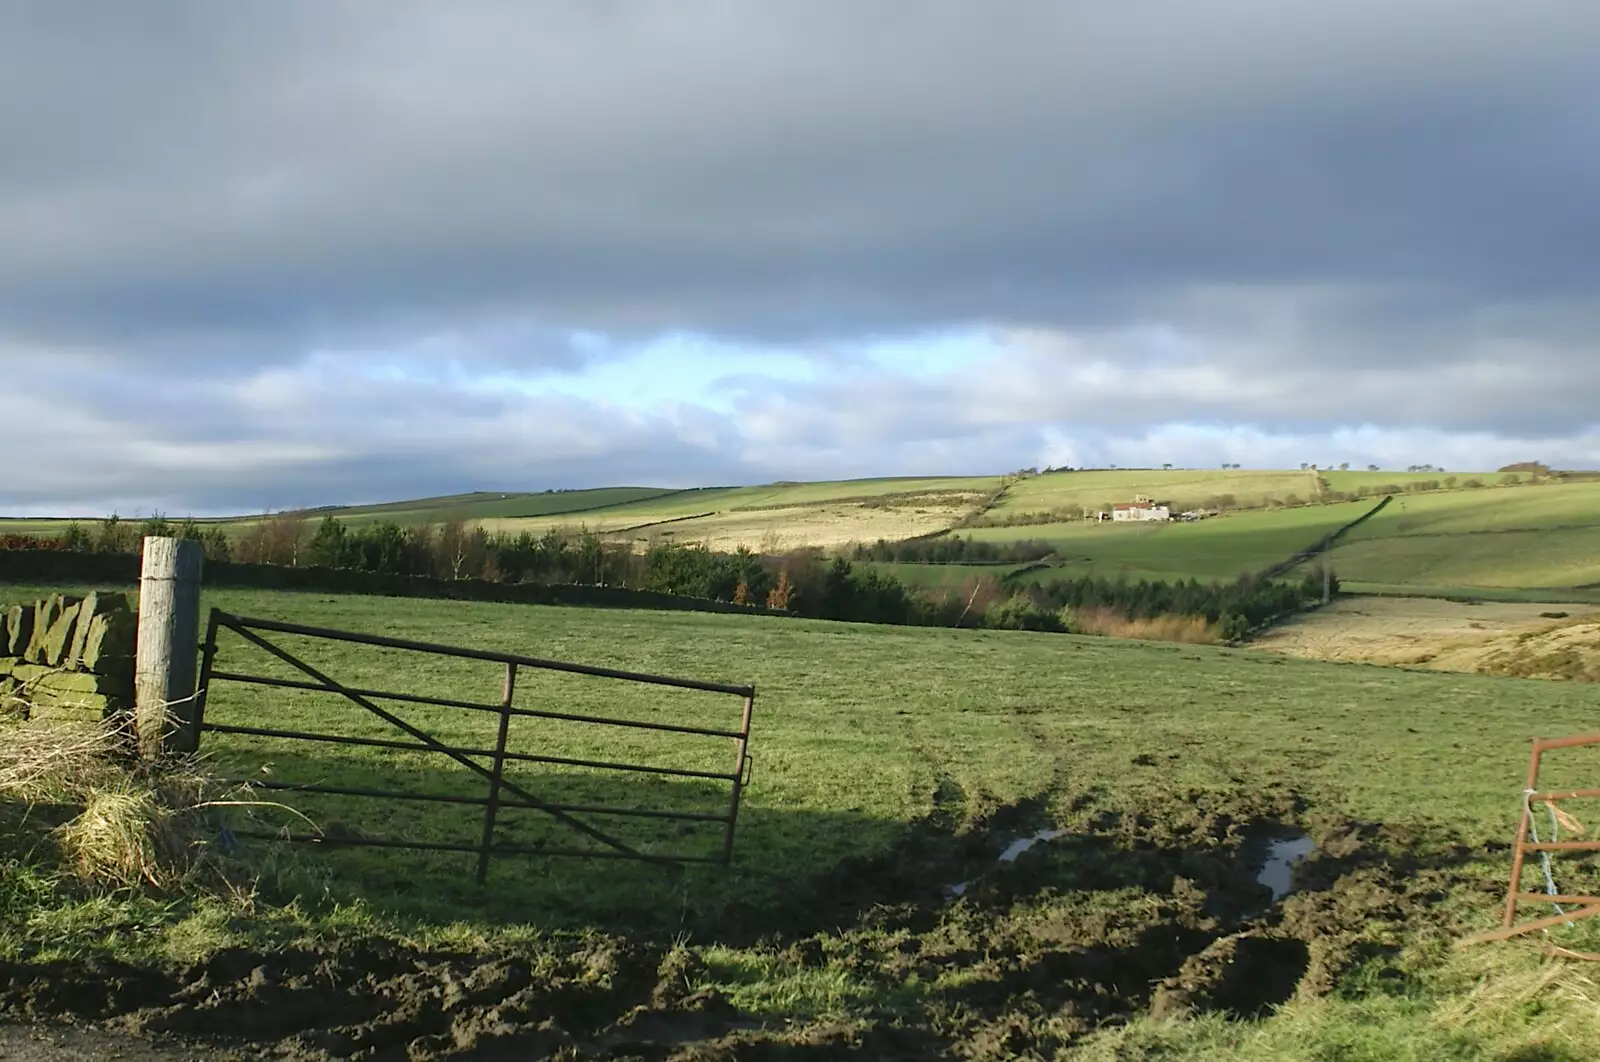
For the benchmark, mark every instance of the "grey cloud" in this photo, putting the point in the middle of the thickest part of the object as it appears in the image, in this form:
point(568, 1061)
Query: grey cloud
point(1362, 213)
point(815, 169)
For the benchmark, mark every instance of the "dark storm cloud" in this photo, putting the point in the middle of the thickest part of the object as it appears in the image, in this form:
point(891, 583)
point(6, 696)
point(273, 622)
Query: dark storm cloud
point(787, 170)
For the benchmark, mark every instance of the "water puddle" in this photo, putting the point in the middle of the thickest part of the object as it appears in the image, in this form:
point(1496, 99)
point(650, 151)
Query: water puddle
point(1013, 850)
point(1022, 844)
point(1279, 865)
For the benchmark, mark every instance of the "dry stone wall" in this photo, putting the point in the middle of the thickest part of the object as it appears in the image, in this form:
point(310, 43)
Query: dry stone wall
point(67, 656)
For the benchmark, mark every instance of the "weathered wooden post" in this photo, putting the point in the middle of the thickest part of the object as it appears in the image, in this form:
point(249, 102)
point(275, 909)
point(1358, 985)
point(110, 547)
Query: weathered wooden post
point(169, 638)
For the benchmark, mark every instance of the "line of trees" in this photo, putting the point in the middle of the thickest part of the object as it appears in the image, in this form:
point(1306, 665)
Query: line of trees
point(952, 549)
point(116, 535)
point(805, 582)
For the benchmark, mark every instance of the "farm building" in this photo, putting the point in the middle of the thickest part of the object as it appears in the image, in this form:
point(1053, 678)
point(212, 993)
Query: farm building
point(1141, 509)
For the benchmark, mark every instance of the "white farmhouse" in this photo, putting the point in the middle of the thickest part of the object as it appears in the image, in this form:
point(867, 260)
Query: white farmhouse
point(1141, 508)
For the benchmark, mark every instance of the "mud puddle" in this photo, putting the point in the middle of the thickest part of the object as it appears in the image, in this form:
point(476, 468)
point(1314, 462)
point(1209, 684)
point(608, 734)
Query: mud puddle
point(1114, 915)
point(1277, 870)
point(1010, 855)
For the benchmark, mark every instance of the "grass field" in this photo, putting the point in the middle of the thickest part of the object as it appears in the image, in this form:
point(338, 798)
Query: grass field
point(784, 516)
point(753, 512)
point(891, 763)
point(1071, 492)
point(1221, 548)
point(483, 505)
point(1528, 538)
point(1355, 480)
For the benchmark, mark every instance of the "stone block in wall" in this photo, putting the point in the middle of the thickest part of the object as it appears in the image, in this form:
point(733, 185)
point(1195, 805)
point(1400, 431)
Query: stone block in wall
point(84, 707)
point(8, 685)
point(19, 630)
point(99, 603)
point(46, 614)
point(108, 645)
point(57, 641)
point(52, 692)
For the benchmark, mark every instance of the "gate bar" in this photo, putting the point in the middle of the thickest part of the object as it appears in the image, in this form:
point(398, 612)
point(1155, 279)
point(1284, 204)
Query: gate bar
point(493, 807)
point(414, 746)
point(448, 798)
point(445, 702)
point(237, 622)
point(208, 658)
point(743, 742)
point(448, 846)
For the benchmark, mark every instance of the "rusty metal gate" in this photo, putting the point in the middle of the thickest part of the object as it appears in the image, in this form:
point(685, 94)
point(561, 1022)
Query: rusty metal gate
point(1587, 906)
point(486, 763)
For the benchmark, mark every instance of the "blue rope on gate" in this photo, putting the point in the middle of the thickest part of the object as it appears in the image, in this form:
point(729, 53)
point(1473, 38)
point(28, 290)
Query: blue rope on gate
point(1544, 857)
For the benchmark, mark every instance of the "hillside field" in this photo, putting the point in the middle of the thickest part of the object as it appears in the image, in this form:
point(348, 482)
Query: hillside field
point(891, 764)
point(1533, 538)
point(1074, 493)
point(786, 516)
point(1542, 640)
point(1356, 480)
point(1221, 548)
point(1523, 542)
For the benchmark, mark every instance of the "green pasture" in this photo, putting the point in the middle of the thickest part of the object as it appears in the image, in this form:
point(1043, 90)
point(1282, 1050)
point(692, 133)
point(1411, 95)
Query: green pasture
point(1354, 480)
point(1544, 537)
point(1221, 548)
point(482, 505)
point(1184, 488)
point(856, 728)
point(866, 738)
point(777, 495)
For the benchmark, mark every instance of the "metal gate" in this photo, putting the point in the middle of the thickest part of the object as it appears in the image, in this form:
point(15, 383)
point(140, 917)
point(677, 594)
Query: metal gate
point(486, 763)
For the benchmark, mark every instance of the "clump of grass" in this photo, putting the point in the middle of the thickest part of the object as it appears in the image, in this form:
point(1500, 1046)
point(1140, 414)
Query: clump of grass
point(128, 824)
point(126, 836)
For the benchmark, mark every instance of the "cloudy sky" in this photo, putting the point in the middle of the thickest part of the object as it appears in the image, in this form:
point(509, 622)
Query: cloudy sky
point(270, 254)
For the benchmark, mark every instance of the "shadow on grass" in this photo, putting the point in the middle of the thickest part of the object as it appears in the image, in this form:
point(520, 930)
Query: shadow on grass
point(773, 850)
point(1148, 909)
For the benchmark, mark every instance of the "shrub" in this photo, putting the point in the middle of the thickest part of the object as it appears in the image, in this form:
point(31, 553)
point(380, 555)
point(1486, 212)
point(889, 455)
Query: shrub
point(952, 549)
point(1022, 613)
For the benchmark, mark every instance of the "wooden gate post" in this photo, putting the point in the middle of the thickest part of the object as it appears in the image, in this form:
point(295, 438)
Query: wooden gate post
point(169, 638)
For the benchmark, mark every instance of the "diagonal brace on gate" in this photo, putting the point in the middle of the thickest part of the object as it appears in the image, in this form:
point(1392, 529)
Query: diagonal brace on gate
point(492, 777)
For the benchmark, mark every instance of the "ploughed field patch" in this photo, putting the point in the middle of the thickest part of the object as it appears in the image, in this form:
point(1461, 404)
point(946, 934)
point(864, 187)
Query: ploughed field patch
point(1123, 911)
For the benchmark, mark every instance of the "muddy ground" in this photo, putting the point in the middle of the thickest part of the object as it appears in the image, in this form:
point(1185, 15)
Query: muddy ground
point(1127, 913)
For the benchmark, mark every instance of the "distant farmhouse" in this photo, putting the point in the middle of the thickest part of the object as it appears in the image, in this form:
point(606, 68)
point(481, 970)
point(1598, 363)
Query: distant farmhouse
point(1140, 509)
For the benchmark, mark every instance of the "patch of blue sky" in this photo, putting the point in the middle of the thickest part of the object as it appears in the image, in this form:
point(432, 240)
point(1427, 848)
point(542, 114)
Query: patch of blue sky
point(931, 354)
point(674, 369)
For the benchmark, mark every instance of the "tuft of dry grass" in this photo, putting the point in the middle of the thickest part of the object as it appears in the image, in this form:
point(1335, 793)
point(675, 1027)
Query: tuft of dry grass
point(130, 826)
point(1191, 630)
point(126, 836)
point(54, 762)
